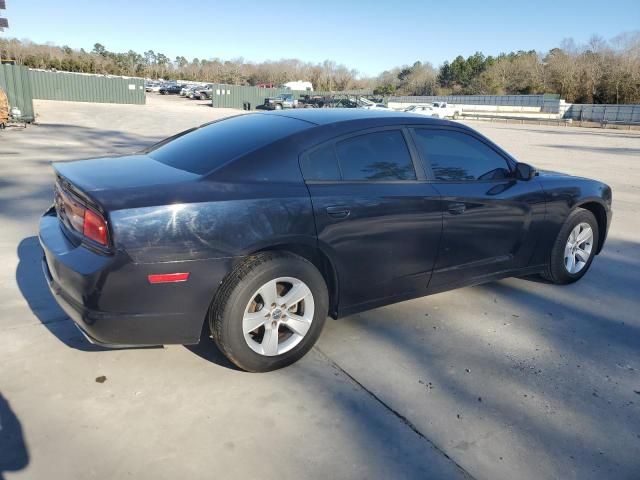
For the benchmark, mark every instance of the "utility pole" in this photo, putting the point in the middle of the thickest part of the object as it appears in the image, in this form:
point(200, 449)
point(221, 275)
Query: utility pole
point(4, 23)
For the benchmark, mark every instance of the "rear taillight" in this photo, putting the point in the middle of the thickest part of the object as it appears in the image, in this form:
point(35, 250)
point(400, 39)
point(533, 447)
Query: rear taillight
point(94, 227)
point(75, 214)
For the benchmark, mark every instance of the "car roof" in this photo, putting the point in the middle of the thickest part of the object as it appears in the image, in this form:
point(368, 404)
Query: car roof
point(324, 116)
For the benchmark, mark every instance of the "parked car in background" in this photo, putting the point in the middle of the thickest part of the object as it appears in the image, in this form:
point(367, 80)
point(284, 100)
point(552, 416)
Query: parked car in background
point(258, 226)
point(280, 102)
point(203, 93)
point(152, 86)
point(185, 89)
point(170, 89)
point(191, 91)
point(444, 110)
point(420, 109)
point(370, 104)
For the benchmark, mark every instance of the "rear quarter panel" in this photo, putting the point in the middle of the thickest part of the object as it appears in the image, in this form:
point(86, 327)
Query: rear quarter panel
point(235, 219)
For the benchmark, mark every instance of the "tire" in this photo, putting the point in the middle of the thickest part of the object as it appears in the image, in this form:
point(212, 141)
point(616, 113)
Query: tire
point(239, 303)
point(560, 269)
point(455, 115)
point(278, 106)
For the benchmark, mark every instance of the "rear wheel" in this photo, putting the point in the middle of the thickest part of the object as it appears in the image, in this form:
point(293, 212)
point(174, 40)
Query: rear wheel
point(574, 248)
point(269, 312)
point(278, 106)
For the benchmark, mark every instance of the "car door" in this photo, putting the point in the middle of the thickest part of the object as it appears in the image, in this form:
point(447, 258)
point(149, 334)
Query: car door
point(377, 217)
point(491, 220)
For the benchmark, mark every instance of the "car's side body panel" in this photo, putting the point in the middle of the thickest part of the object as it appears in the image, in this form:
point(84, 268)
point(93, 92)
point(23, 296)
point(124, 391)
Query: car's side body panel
point(386, 246)
point(498, 230)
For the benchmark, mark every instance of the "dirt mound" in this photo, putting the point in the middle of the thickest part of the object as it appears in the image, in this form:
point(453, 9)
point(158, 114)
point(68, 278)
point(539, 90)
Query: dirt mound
point(4, 108)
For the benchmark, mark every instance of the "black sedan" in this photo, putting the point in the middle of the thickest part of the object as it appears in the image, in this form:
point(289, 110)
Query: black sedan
point(170, 89)
point(259, 226)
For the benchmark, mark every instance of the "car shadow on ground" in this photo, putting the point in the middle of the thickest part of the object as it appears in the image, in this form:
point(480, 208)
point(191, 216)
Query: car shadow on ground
point(208, 351)
point(14, 454)
point(559, 344)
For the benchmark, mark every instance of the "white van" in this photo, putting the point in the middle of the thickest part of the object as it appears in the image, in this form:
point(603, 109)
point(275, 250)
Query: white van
point(299, 85)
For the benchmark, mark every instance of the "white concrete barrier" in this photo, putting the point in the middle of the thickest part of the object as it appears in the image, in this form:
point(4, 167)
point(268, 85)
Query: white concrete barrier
point(504, 111)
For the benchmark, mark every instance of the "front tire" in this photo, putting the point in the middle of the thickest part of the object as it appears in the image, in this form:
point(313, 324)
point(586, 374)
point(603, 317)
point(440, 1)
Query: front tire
point(269, 311)
point(574, 248)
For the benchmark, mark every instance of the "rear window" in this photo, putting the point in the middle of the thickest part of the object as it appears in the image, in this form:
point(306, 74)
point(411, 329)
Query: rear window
point(208, 147)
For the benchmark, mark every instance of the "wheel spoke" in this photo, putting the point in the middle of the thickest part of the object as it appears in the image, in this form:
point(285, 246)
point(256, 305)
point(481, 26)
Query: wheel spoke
point(270, 341)
point(297, 293)
point(567, 251)
point(298, 324)
point(584, 236)
point(570, 263)
point(573, 235)
point(269, 293)
point(582, 255)
point(251, 321)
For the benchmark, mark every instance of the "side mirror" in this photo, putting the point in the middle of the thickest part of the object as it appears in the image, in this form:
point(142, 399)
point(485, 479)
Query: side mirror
point(524, 171)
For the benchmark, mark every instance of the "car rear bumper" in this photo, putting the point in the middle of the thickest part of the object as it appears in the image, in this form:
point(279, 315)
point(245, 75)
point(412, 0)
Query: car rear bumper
point(111, 301)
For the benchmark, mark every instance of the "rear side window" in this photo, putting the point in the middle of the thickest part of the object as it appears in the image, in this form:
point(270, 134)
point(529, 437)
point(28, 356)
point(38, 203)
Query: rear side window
point(375, 156)
point(210, 146)
point(321, 164)
point(455, 156)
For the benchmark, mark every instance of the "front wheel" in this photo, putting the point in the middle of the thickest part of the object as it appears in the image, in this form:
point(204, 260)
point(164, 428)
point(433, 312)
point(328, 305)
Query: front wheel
point(270, 311)
point(574, 248)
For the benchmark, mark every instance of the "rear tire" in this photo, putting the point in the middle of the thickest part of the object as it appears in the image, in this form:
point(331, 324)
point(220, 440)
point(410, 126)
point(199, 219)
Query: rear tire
point(278, 106)
point(574, 248)
point(283, 333)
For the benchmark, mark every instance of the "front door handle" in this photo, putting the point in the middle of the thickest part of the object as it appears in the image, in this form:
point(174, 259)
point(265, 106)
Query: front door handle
point(457, 208)
point(338, 211)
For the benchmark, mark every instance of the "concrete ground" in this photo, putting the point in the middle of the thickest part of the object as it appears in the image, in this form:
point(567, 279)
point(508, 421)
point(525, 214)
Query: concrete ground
point(514, 379)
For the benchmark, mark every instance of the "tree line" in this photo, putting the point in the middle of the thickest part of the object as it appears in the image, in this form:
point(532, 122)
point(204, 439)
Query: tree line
point(598, 72)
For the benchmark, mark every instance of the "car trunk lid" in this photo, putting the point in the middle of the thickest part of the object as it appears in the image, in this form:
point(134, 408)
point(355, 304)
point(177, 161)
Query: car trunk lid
point(114, 173)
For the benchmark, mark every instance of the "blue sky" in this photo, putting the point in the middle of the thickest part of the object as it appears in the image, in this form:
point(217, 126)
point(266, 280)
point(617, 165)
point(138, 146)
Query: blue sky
point(369, 36)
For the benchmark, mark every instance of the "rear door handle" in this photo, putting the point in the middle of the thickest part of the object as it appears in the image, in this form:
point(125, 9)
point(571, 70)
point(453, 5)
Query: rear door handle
point(338, 211)
point(457, 208)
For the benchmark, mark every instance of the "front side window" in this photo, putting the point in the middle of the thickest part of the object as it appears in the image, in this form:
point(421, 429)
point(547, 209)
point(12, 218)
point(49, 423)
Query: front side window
point(375, 156)
point(456, 156)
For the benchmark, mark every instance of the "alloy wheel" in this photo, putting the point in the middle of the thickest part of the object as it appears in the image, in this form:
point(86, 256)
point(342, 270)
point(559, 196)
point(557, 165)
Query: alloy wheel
point(278, 316)
point(578, 248)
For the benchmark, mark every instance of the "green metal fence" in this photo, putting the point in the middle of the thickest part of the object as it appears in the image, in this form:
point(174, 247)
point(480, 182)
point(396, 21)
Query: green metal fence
point(14, 80)
point(78, 87)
